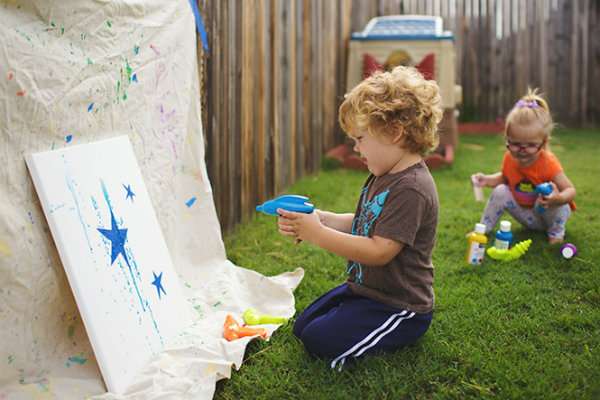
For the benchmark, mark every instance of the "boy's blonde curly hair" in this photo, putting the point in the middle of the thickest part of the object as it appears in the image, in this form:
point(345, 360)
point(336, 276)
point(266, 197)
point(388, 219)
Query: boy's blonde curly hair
point(387, 103)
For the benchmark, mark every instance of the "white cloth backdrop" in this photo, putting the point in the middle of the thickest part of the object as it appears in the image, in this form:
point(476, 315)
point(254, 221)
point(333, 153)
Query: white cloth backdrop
point(77, 71)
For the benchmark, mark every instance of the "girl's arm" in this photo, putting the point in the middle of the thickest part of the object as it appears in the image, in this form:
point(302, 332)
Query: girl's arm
point(375, 251)
point(563, 191)
point(492, 180)
point(339, 222)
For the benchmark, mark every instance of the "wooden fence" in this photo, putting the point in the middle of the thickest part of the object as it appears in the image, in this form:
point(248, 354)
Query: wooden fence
point(272, 81)
point(276, 69)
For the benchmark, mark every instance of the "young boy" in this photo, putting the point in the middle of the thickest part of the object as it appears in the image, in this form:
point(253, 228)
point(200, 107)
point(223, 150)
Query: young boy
point(388, 299)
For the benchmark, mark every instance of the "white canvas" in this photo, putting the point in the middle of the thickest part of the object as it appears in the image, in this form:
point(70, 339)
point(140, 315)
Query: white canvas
point(113, 252)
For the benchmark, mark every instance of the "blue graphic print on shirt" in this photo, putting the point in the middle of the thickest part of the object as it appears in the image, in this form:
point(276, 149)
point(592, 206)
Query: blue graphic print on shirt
point(362, 224)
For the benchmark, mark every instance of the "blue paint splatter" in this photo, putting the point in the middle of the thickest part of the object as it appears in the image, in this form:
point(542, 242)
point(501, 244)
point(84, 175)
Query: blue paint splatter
point(70, 185)
point(90, 107)
point(191, 201)
point(78, 359)
point(158, 283)
point(129, 193)
point(68, 138)
point(134, 78)
point(136, 49)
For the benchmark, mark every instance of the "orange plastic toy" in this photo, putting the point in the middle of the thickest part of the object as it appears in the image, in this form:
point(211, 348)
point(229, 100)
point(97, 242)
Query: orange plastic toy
point(232, 330)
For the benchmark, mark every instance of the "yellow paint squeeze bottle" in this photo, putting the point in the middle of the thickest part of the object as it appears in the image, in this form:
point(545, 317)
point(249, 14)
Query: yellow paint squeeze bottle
point(476, 245)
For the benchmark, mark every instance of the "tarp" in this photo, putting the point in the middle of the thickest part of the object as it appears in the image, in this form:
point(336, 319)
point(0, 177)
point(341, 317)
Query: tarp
point(74, 72)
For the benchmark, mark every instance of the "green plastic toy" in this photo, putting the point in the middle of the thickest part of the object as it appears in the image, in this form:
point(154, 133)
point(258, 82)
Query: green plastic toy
point(508, 255)
point(252, 317)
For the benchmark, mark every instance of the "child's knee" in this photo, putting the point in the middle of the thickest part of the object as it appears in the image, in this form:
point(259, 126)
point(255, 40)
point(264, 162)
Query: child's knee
point(502, 193)
point(299, 326)
point(318, 341)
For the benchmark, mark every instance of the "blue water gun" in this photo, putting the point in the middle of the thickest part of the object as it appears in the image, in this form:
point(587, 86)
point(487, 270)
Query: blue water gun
point(288, 202)
point(543, 189)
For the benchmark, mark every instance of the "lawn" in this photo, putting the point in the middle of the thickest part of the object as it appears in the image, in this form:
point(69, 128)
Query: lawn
point(525, 329)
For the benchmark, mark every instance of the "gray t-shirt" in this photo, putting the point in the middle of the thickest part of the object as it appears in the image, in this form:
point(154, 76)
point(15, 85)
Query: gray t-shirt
point(402, 207)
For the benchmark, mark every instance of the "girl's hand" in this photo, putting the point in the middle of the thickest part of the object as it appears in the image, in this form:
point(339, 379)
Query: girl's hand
point(553, 199)
point(479, 179)
point(299, 225)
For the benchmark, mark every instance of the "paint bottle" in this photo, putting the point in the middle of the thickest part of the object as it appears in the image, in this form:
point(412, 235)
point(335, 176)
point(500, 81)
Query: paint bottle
point(504, 236)
point(476, 245)
point(543, 189)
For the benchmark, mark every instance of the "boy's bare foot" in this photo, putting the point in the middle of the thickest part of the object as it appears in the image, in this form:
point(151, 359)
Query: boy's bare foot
point(555, 240)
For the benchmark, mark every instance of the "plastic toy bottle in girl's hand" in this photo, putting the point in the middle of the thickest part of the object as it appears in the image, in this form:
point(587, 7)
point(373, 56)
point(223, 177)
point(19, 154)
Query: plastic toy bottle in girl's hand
point(476, 245)
point(543, 189)
point(504, 236)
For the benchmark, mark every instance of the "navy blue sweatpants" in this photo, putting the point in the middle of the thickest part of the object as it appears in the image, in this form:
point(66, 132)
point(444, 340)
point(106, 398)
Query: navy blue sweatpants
point(341, 324)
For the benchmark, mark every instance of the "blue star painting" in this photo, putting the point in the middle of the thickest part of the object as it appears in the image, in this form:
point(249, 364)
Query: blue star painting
point(110, 243)
point(117, 239)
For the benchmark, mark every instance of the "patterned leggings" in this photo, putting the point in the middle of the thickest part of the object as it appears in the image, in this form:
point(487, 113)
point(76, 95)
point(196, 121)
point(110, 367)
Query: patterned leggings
point(552, 221)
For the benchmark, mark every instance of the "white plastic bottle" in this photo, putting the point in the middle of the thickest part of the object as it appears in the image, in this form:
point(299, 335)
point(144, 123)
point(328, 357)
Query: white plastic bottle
point(503, 236)
point(476, 242)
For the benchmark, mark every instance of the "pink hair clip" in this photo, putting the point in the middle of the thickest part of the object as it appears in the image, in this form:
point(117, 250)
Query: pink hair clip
point(526, 103)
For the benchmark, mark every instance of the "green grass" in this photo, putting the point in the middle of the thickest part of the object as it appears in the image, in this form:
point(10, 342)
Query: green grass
point(525, 329)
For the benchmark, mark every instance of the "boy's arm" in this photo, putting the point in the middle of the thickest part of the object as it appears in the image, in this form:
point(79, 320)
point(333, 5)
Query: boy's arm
point(375, 251)
point(339, 222)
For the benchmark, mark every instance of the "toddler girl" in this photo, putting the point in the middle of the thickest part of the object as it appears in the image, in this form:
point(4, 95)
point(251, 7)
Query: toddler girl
point(527, 163)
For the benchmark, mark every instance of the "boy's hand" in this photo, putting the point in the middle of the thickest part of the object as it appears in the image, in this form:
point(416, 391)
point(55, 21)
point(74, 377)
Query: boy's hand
point(299, 225)
point(553, 199)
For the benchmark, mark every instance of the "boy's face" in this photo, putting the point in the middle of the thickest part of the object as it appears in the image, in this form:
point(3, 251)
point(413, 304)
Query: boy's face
point(380, 153)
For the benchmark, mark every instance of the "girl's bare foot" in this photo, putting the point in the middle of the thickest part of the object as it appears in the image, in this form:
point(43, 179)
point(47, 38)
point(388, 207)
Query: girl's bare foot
point(555, 240)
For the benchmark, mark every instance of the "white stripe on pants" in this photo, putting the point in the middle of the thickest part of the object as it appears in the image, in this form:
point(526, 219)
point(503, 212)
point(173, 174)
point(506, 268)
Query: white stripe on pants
point(393, 320)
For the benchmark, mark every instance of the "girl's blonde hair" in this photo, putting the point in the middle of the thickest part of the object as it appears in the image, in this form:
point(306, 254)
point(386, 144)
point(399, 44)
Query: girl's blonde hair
point(528, 110)
point(387, 103)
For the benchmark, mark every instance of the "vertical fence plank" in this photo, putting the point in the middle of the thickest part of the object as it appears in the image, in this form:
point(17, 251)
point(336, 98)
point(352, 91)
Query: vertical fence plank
point(226, 187)
point(261, 134)
point(329, 51)
point(277, 39)
point(583, 31)
point(574, 47)
point(291, 92)
point(298, 77)
point(317, 75)
point(248, 107)
point(542, 57)
point(562, 57)
point(593, 100)
point(306, 112)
